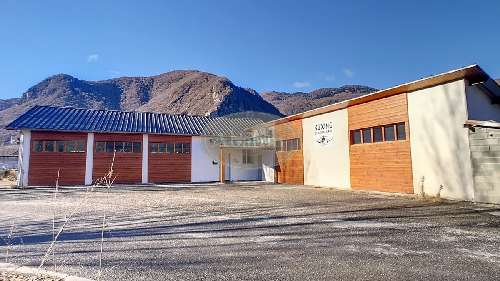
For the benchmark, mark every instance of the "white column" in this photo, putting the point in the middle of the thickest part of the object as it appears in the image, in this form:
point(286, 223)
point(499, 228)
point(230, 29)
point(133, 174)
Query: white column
point(145, 151)
point(24, 158)
point(89, 160)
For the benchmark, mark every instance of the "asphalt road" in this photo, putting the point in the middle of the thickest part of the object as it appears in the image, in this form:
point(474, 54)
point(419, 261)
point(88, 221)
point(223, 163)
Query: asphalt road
point(251, 232)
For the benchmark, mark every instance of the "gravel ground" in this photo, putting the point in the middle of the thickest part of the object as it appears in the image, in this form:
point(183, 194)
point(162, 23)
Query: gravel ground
point(251, 232)
point(13, 276)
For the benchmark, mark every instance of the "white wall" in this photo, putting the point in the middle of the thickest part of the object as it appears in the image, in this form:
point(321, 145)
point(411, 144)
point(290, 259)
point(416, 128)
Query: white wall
point(439, 142)
point(268, 163)
point(479, 105)
point(327, 164)
point(89, 159)
point(24, 158)
point(145, 159)
point(203, 155)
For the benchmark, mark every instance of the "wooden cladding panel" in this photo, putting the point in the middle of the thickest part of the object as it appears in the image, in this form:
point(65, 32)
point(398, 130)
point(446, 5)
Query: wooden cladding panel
point(290, 167)
point(43, 166)
point(385, 111)
point(169, 167)
point(384, 166)
point(127, 166)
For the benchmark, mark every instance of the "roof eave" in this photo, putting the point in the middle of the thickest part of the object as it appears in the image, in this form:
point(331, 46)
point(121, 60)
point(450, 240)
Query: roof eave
point(473, 73)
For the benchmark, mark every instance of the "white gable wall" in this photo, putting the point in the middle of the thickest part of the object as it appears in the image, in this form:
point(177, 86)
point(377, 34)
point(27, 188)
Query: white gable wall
point(439, 141)
point(327, 164)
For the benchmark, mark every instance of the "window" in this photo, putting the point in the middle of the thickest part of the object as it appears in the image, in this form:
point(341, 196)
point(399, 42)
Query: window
point(183, 148)
point(248, 156)
point(293, 144)
point(114, 146)
point(377, 134)
point(48, 146)
point(118, 146)
point(70, 147)
point(59, 146)
point(367, 135)
point(178, 148)
point(162, 147)
point(278, 146)
point(127, 147)
point(155, 147)
point(110, 146)
point(186, 148)
point(38, 146)
point(389, 133)
point(170, 148)
point(137, 147)
point(401, 131)
point(356, 137)
point(100, 146)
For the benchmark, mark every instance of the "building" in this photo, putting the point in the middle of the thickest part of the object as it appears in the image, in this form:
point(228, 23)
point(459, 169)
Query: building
point(439, 136)
point(419, 137)
point(78, 146)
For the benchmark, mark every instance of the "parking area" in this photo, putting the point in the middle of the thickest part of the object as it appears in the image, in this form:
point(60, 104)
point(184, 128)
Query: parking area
point(250, 232)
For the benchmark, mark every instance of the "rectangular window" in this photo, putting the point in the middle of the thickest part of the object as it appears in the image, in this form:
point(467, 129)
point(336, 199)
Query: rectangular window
point(48, 146)
point(155, 147)
point(38, 146)
point(291, 144)
point(377, 134)
point(162, 147)
point(186, 148)
point(137, 147)
point(278, 146)
point(110, 147)
point(389, 133)
point(127, 147)
point(118, 146)
point(170, 148)
point(367, 135)
point(80, 146)
point(100, 146)
point(70, 146)
point(60, 146)
point(356, 137)
point(248, 156)
point(178, 148)
point(401, 131)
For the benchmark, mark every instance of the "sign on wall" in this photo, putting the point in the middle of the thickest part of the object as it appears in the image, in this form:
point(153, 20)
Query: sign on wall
point(323, 133)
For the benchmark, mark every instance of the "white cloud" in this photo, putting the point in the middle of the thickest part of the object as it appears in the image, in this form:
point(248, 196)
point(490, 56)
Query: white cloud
point(301, 84)
point(114, 72)
point(92, 58)
point(329, 77)
point(348, 72)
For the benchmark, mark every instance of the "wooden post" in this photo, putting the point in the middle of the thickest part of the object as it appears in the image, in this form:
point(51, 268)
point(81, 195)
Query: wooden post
point(222, 167)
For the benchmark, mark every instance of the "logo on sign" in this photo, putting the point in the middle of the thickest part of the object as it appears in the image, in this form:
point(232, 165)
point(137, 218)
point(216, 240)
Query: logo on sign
point(323, 133)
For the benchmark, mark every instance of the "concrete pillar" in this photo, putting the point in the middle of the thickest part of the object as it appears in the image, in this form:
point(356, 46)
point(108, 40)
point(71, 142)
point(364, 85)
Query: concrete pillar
point(145, 156)
point(89, 160)
point(24, 158)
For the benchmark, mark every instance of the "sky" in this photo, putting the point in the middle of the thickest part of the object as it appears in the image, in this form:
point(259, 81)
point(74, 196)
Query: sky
point(265, 45)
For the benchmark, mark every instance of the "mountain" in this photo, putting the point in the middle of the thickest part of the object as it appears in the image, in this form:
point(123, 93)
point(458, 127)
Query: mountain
point(292, 103)
point(175, 92)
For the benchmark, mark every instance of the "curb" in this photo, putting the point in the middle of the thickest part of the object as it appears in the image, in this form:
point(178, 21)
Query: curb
point(10, 267)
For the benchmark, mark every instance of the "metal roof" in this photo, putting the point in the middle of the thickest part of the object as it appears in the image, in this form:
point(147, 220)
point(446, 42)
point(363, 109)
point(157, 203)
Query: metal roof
point(52, 118)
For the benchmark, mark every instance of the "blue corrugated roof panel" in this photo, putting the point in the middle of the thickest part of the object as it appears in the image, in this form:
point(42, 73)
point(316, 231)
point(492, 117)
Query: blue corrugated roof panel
point(52, 118)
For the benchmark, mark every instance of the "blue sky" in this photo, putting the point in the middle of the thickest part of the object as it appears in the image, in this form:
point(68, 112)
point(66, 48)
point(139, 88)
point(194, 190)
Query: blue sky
point(265, 45)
